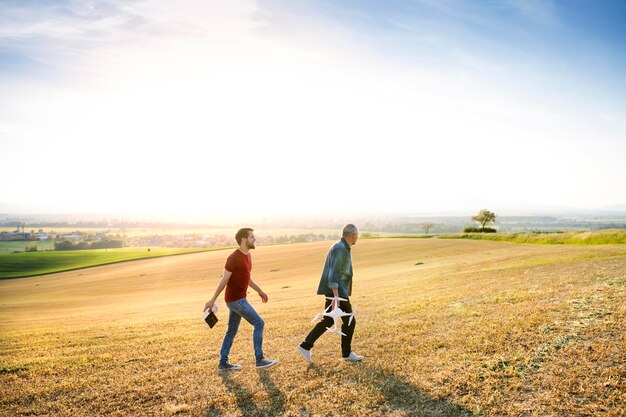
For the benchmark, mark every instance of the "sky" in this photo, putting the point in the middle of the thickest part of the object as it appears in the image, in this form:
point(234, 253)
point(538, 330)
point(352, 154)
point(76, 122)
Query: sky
point(201, 109)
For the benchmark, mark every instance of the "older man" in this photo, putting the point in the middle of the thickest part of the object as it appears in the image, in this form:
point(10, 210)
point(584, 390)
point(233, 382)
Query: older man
point(336, 281)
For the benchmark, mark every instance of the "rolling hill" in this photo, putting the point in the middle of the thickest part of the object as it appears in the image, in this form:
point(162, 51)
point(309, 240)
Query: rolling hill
point(448, 328)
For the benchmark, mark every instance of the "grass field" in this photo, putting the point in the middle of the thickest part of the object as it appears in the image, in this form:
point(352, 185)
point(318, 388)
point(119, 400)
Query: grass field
point(11, 246)
point(597, 237)
point(448, 328)
point(17, 265)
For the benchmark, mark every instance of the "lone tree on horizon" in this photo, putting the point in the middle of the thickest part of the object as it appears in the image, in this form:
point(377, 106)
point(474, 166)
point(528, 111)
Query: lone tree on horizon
point(426, 226)
point(483, 217)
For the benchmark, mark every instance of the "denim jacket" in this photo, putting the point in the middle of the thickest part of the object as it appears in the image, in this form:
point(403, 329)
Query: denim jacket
point(337, 270)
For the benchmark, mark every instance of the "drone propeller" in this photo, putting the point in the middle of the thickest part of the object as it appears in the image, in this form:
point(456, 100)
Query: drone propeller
point(335, 330)
point(352, 315)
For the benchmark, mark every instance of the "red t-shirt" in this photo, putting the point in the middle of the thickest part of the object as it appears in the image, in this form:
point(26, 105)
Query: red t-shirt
point(240, 265)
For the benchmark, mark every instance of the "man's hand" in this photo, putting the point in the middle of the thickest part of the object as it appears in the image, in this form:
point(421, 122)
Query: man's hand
point(263, 296)
point(209, 304)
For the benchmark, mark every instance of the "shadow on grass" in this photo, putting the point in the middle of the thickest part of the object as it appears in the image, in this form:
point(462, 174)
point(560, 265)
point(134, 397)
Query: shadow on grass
point(245, 399)
point(399, 393)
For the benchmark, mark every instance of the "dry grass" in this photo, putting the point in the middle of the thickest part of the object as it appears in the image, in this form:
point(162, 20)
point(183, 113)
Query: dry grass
point(479, 328)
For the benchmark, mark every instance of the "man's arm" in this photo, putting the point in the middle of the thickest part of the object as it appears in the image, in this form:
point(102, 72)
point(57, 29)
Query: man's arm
point(334, 272)
point(258, 289)
point(337, 258)
point(220, 287)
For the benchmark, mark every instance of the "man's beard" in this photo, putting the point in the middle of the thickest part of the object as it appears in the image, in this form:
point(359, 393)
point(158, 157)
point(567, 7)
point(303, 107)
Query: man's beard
point(250, 245)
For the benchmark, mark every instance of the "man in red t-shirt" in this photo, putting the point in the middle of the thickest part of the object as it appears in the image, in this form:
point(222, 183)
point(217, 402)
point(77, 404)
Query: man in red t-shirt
point(236, 279)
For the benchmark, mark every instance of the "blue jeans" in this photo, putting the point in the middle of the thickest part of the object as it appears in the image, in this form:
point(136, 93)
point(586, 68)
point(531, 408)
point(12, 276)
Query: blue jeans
point(238, 309)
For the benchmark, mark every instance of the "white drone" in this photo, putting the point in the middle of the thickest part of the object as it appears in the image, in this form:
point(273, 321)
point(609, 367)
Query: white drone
point(336, 314)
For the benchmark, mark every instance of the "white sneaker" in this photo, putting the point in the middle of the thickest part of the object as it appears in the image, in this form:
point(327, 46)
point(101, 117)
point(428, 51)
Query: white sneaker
point(306, 354)
point(353, 357)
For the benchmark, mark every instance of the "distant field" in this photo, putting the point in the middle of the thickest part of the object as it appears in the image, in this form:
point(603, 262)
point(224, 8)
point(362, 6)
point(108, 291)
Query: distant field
point(367, 235)
point(448, 328)
point(16, 265)
point(144, 231)
point(598, 237)
point(59, 229)
point(11, 246)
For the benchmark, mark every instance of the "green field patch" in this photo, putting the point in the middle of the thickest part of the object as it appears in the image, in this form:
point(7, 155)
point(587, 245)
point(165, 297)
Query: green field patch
point(20, 265)
point(599, 237)
point(21, 245)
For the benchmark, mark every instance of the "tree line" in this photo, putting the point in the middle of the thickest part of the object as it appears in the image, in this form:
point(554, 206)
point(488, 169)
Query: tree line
point(102, 244)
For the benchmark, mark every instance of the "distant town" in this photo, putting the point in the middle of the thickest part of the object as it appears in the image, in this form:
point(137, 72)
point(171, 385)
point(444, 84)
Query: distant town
point(36, 233)
point(48, 239)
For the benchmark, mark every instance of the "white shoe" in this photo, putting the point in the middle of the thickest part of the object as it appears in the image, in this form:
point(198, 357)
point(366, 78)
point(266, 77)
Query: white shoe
point(353, 357)
point(306, 354)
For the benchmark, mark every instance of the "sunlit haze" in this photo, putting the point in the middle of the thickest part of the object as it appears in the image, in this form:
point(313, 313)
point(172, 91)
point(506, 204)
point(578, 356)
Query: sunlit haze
point(193, 109)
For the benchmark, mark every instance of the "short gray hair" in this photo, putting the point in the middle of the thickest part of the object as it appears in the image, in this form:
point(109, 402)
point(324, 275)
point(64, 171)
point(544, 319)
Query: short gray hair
point(349, 229)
